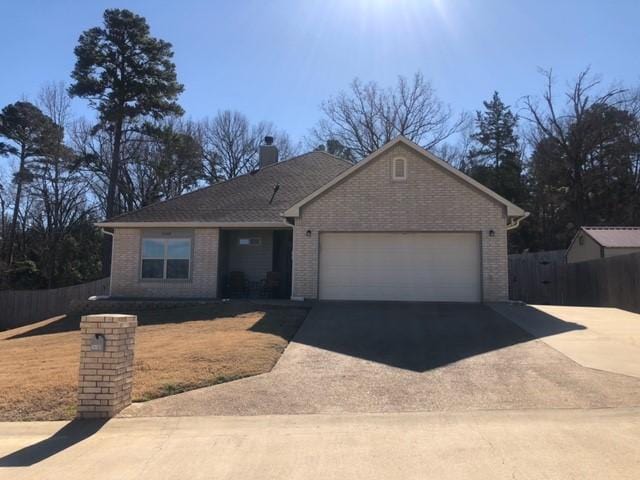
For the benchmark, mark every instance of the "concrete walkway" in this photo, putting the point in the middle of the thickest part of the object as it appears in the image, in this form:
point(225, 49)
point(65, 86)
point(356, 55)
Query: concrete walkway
point(403, 357)
point(608, 338)
point(562, 444)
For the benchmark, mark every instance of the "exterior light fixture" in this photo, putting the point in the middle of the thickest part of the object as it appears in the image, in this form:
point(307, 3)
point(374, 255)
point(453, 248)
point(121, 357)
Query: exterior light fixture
point(492, 233)
point(308, 234)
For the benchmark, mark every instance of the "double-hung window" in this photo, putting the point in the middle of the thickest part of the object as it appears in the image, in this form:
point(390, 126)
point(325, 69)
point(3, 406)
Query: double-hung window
point(166, 258)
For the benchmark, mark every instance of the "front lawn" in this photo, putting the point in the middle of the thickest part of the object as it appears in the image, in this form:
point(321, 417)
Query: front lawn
point(177, 349)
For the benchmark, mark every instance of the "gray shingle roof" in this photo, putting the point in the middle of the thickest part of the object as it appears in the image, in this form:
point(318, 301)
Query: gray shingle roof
point(246, 198)
point(615, 237)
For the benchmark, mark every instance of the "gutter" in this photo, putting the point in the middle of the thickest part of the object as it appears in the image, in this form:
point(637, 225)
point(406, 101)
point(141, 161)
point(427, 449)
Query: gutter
point(287, 221)
point(189, 224)
point(516, 223)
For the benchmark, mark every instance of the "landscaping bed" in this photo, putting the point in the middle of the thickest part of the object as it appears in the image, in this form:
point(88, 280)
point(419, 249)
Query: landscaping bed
point(177, 349)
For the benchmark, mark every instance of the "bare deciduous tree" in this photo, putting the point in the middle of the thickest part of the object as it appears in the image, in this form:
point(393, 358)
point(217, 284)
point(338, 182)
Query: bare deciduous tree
point(57, 190)
point(368, 116)
point(168, 162)
point(5, 203)
point(569, 127)
point(230, 144)
point(55, 102)
point(93, 151)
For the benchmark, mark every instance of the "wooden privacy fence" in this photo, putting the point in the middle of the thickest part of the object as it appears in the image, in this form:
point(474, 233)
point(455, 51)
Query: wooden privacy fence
point(22, 307)
point(606, 282)
point(549, 256)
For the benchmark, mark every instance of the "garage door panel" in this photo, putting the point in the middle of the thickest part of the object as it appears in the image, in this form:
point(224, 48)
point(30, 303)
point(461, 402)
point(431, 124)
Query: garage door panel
point(398, 266)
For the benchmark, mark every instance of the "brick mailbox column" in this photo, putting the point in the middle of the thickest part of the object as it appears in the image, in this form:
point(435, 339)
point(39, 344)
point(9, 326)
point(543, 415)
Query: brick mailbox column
point(106, 364)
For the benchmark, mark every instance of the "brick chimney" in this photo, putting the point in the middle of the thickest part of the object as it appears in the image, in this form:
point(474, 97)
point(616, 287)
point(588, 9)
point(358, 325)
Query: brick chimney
point(268, 154)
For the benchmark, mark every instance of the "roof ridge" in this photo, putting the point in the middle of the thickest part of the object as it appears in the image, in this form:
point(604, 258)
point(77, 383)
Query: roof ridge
point(221, 182)
point(622, 227)
point(348, 162)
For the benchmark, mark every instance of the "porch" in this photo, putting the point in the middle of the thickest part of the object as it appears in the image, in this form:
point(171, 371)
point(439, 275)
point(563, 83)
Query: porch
point(255, 263)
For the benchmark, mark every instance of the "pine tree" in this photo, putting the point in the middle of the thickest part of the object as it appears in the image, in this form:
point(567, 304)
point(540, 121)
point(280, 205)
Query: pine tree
point(31, 135)
point(126, 74)
point(494, 159)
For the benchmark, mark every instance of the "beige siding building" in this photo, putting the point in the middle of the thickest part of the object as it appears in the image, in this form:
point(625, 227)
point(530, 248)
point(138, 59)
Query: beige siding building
point(591, 243)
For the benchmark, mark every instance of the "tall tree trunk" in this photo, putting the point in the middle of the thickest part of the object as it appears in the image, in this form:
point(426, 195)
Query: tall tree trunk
point(578, 196)
point(16, 207)
point(2, 219)
point(52, 258)
point(114, 172)
point(114, 176)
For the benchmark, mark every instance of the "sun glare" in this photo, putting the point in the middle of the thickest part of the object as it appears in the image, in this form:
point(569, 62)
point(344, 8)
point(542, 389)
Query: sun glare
point(408, 11)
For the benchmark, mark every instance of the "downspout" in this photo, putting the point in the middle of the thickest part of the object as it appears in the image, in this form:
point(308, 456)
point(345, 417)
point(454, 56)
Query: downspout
point(112, 245)
point(515, 224)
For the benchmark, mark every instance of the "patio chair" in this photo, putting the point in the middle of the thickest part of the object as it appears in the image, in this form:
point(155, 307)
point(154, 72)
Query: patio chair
point(237, 285)
point(271, 285)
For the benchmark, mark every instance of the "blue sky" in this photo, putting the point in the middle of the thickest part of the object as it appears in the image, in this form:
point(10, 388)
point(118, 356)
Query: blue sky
point(277, 60)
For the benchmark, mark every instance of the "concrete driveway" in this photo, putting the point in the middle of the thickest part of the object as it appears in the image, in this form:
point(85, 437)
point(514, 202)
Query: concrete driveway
point(609, 338)
point(403, 357)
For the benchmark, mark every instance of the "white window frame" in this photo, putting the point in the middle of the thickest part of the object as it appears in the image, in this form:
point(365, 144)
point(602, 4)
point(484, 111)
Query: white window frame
point(165, 258)
point(404, 169)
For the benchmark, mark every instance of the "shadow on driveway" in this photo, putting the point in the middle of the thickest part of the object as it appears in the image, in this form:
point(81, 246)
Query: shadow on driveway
point(72, 433)
point(415, 336)
point(368, 357)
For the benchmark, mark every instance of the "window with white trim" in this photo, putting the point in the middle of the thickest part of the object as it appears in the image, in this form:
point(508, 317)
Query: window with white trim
point(166, 258)
point(399, 169)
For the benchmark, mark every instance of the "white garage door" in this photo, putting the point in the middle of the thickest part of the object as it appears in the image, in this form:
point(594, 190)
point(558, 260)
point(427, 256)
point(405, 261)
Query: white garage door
point(439, 267)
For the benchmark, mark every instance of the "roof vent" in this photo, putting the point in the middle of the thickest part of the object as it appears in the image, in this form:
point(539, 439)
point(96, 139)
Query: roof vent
point(268, 153)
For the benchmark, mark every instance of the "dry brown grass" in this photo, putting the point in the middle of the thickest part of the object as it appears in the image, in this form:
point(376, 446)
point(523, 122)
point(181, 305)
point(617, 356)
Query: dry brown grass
point(176, 350)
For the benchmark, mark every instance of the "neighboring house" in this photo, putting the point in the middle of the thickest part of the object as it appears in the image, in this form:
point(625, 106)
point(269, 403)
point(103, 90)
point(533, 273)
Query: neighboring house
point(590, 243)
point(399, 225)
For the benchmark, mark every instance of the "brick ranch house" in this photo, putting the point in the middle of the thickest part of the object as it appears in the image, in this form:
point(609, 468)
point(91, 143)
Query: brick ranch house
point(401, 224)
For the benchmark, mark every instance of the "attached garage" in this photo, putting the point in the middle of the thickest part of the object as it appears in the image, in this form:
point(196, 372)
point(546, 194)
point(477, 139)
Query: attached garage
point(402, 224)
point(412, 266)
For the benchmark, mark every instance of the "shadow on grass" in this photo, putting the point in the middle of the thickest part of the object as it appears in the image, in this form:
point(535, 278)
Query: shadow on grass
point(272, 322)
point(72, 433)
point(411, 336)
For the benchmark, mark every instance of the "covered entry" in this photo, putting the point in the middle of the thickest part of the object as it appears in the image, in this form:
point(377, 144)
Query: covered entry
point(255, 263)
point(416, 266)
